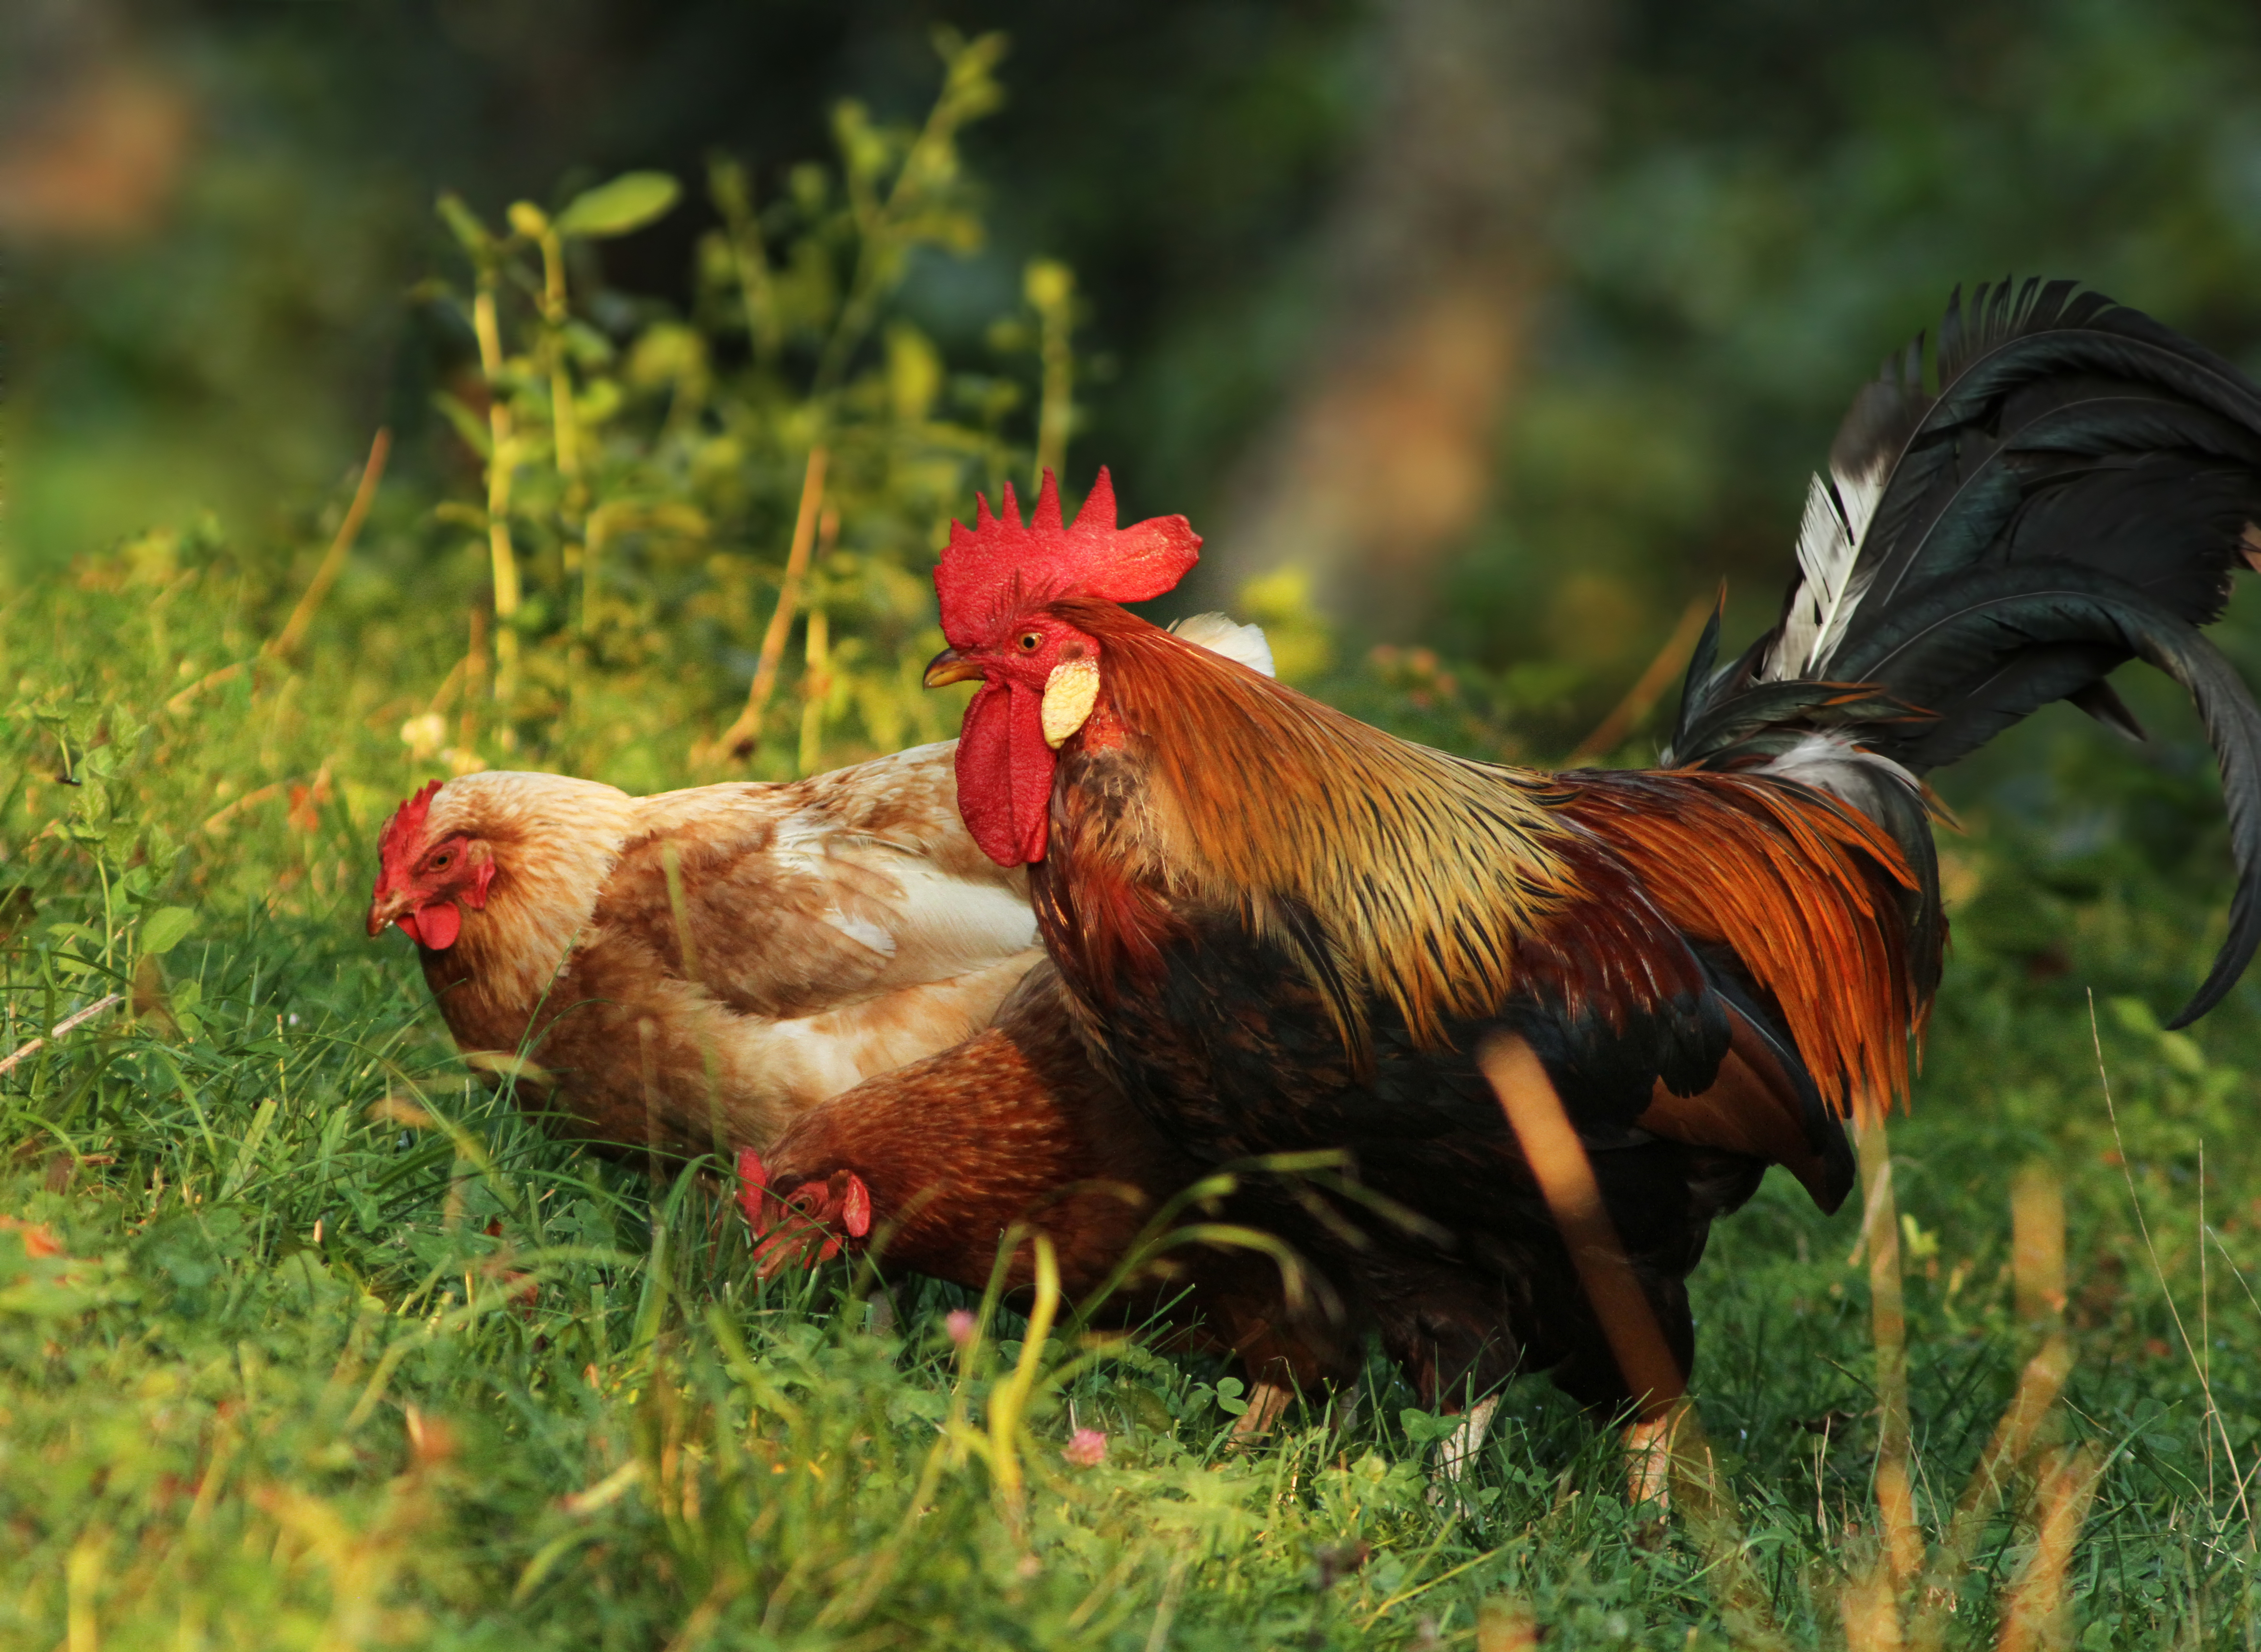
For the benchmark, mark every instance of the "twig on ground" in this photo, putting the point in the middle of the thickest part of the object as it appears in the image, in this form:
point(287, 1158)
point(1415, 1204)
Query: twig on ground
point(333, 560)
point(24, 1052)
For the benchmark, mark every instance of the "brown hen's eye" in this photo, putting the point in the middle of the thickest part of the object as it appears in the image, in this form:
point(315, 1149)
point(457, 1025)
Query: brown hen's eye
point(1031, 640)
point(441, 861)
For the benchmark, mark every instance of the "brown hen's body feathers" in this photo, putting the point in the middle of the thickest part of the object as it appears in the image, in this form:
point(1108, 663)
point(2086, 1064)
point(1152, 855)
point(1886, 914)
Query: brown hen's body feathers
point(1016, 1129)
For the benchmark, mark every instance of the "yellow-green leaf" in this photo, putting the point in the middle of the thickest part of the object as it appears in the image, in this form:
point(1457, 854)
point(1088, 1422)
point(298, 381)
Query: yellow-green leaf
point(628, 202)
point(166, 929)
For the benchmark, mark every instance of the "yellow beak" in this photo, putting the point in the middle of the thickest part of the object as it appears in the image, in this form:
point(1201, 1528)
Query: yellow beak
point(386, 909)
point(950, 666)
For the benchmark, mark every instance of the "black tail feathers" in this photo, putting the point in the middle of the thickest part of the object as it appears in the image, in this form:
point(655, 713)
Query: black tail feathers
point(2076, 493)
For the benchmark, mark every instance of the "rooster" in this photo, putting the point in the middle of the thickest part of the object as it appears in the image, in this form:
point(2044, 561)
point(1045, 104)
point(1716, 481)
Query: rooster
point(692, 970)
point(1275, 928)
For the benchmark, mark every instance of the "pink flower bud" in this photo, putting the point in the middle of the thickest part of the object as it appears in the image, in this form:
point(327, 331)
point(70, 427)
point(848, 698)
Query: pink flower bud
point(1087, 1449)
point(959, 1323)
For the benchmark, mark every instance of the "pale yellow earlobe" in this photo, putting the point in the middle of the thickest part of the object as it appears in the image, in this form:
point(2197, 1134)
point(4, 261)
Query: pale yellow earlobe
point(1069, 693)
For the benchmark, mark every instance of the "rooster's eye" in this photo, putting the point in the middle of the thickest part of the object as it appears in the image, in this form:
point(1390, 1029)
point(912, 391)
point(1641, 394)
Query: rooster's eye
point(1031, 640)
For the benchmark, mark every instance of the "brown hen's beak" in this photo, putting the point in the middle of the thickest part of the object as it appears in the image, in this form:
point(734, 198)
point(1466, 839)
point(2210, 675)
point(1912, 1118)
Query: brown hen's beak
point(950, 666)
point(385, 908)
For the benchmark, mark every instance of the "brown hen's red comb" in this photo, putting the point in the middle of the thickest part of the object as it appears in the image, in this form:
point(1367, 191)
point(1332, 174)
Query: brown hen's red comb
point(405, 832)
point(1001, 565)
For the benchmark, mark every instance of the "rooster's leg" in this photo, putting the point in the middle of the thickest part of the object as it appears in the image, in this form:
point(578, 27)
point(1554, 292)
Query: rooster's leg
point(1648, 1462)
point(1265, 1402)
point(1459, 1450)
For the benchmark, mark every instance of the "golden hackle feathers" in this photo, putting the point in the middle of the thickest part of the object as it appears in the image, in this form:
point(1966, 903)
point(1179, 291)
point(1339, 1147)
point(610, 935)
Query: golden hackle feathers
point(1422, 869)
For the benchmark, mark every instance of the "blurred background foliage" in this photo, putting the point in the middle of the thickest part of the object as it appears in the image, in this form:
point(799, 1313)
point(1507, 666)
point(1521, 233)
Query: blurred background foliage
point(1483, 338)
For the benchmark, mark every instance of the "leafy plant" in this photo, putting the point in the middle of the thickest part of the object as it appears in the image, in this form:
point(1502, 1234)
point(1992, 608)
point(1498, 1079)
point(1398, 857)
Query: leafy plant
point(673, 496)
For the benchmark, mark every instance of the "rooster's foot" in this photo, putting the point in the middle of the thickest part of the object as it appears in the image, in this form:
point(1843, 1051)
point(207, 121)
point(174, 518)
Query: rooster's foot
point(1459, 1451)
point(1266, 1402)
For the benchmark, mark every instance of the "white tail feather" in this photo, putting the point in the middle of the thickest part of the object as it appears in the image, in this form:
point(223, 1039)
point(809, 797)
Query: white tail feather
point(1825, 562)
point(1838, 511)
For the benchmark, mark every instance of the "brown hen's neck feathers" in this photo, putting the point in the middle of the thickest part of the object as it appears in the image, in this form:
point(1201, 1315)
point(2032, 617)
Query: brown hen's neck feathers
point(1421, 869)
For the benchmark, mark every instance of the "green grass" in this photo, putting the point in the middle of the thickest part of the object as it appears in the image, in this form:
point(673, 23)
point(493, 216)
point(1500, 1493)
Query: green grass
point(340, 1351)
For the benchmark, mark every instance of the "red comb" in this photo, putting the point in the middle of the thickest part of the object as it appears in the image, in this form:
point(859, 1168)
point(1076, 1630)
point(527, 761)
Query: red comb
point(1001, 563)
point(405, 832)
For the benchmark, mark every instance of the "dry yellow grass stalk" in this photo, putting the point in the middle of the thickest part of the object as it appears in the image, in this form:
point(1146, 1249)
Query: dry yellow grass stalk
point(333, 560)
point(1870, 1611)
point(1505, 1623)
point(1669, 1424)
point(1880, 1231)
point(740, 737)
point(1566, 1179)
point(2037, 1266)
point(1648, 688)
point(2035, 1615)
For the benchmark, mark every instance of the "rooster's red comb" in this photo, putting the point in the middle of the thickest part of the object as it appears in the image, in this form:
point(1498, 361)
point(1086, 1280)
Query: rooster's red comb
point(999, 562)
point(404, 833)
